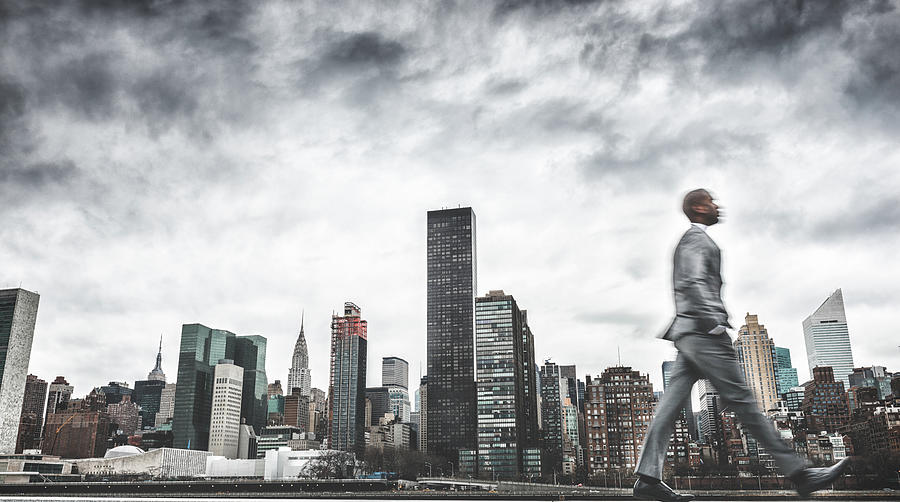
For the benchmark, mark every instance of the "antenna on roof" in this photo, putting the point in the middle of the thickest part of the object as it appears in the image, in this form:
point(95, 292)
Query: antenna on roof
point(619, 352)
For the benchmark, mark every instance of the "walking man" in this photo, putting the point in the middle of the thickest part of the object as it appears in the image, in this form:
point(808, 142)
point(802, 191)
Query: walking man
point(705, 351)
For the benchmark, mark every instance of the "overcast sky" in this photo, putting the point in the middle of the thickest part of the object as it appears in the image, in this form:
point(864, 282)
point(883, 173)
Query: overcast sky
point(167, 163)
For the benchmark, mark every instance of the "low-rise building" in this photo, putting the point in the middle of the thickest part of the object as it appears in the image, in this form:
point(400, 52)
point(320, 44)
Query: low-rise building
point(35, 468)
point(164, 463)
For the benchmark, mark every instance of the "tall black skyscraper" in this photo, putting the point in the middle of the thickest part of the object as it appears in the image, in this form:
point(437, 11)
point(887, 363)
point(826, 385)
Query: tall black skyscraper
point(452, 275)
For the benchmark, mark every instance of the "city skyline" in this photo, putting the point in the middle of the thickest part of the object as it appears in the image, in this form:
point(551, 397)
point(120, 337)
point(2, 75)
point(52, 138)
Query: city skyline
point(136, 204)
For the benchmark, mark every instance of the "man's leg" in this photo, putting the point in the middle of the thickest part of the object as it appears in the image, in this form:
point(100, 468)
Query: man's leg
point(656, 441)
point(715, 358)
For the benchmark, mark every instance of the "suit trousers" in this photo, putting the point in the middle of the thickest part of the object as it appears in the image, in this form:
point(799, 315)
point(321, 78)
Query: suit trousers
point(711, 357)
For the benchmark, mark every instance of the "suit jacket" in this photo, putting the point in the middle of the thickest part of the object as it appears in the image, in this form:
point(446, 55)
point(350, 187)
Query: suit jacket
point(697, 281)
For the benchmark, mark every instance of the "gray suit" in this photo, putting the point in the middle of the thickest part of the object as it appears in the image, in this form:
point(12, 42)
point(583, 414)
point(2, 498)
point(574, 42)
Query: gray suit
point(699, 312)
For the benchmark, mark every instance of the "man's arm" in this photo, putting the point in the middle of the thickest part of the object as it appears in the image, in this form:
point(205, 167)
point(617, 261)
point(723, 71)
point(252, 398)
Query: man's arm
point(693, 269)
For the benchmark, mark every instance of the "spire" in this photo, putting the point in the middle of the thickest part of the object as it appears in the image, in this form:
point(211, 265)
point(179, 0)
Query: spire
point(157, 372)
point(302, 314)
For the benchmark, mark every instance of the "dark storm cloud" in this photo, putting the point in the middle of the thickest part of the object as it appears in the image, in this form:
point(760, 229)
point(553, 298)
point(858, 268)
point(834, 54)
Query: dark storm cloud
point(730, 35)
point(96, 77)
point(506, 7)
point(85, 84)
point(864, 216)
point(367, 63)
point(12, 111)
point(662, 157)
point(876, 82)
point(504, 87)
point(367, 48)
point(37, 176)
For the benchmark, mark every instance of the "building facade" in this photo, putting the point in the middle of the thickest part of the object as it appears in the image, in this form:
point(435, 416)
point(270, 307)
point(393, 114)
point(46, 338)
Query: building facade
point(423, 414)
point(828, 338)
point(31, 420)
point(619, 410)
point(554, 392)
point(166, 405)
point(225, 411)
point(125, 415)
point(756, 355)
point(785, 373)
point(201, 348)
point(398, 399)
point(394, 372)
point(876, 377)
point(825, 404)
point(299, 376)
point(504, 431)
point(18, 315)
point(708, 422)
point(76, 433)
point(58, 394)
point(296, 411)
point(451, 284)
point(347, 381)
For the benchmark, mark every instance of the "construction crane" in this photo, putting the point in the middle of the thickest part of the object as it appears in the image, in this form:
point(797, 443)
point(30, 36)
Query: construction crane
point(56, 434)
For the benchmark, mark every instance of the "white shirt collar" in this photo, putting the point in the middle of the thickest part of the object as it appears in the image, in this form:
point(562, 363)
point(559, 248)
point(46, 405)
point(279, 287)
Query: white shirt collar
point(701, 226)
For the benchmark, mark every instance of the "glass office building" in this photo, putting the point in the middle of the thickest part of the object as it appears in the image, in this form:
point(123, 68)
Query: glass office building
point(451, 283)
point(828, 339)
point(347, 381)
point(785, 373)
point(503, 371)
point(201, 349)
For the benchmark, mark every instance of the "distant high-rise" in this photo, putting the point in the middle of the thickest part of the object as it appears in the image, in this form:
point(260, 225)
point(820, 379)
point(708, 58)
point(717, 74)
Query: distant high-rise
point(166, 405)
point(710, 407)
point(394, 371)
point(347, 381)
point(32, 418)
point(395, 377)
point(201, 349)
point(825, 404)
point(554, 392)
point(785, 373)
point(619, 409)
point(125, 415)
point(828, 339)
point(18, 314)
point(58, 395)
point(79, 432)
point(147, 393)
point(423, 414)
point(296, 411)
point(299, 376)
point(318, 414)
point(114, 392)
point(687, 413)
point(877, 377)
point(452, 274)
point(502, 370)
point(225, 415)
point(756, 354)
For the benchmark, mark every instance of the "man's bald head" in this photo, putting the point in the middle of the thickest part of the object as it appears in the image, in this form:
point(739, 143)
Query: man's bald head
point(699, 207)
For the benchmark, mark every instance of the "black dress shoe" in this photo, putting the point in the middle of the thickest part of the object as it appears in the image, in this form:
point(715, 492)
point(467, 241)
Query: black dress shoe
point(658, 491)
point(815, 478)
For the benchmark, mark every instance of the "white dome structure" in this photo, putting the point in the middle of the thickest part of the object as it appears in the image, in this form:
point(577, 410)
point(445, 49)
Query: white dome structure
point(126, 450)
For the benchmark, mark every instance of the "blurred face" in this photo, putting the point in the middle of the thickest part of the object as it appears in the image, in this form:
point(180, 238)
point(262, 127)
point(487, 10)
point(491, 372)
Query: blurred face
point(706, 210)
